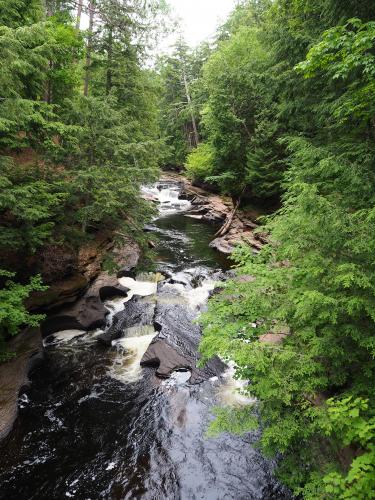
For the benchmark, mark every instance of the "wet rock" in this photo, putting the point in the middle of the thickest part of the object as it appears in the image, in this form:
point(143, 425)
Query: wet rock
point(107, 287)
point(176, 345)
point(136, 312)
point(89, 312)
point(27, 347)
point(163, 356)
point(216, 291)
point(180, 278)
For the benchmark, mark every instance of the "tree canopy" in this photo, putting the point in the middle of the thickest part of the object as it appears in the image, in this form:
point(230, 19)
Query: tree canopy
point(79, 127)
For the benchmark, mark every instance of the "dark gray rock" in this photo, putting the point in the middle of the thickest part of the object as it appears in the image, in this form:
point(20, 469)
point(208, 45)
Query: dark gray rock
point(89, 312)
point(136, 312)
point(176, 345)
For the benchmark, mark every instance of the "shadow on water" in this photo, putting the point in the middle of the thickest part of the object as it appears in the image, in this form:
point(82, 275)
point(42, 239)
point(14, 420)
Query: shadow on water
point(184, 242)
point(85, 434)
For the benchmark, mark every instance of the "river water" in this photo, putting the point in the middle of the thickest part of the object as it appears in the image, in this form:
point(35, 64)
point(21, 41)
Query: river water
point(95, 425)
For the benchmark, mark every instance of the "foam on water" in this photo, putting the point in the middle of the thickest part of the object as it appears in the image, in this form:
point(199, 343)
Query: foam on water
point(231, 393)
point(195, 298)
point(199, 296)
point(178, 377)
point(115, 305)
point(142, 288)
point(130, 350)
point(64, 336)
point(167, 196)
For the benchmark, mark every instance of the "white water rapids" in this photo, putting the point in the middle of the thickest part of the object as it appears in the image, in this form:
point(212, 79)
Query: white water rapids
point(97, 425)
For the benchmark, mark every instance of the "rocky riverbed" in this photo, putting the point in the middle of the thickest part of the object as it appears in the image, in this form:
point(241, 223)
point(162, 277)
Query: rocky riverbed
point(212, 208)
point(77, 300)
point(119, 408)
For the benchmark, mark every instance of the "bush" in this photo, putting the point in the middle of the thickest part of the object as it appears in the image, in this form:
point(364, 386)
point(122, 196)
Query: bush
point(200, 162)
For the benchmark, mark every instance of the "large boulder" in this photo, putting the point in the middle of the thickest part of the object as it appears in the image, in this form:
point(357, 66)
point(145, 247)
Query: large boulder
point(176, 345)
point(89, 312)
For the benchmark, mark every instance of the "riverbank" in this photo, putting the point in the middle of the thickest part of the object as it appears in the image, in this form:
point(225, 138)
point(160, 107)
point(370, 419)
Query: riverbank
point(77, 301)
point(214, 208)
point(123, 411)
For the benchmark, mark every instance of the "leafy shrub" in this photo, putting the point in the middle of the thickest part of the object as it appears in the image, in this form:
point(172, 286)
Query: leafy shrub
point(200, 162)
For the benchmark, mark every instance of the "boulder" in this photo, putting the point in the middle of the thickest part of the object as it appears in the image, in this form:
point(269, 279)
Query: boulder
point(89, 312)
point(176, 345)
point(107, 287)
point(222, 245)
point(86, 314)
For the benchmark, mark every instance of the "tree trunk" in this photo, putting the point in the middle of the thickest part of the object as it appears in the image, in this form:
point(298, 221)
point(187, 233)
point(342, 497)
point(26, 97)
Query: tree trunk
point(109, 61)
point(79, 14)
point(49, 9)
point(226, 226)
point(89, 47)
point(190, 104)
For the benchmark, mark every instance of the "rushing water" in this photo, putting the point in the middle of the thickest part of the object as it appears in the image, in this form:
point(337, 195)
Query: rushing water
point(94, 424)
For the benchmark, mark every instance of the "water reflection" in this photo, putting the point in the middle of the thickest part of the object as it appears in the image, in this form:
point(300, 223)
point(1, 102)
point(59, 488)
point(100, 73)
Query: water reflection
point(95, 425)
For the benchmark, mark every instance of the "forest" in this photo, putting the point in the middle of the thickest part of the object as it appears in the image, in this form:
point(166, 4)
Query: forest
point(276, 111)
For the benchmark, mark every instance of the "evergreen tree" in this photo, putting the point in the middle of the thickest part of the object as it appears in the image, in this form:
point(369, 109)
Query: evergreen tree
point(302, 329)
point(72, 164)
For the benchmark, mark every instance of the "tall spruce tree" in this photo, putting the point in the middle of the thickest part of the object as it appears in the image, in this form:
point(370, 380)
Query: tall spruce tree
point(302, 329)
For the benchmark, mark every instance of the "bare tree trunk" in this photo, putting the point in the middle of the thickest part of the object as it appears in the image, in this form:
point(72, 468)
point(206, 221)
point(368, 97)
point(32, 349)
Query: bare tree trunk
point(49, 8)
point(109, 62)
point(226, 226)
point(190, 104)
point(79, 14)
point(89, 47)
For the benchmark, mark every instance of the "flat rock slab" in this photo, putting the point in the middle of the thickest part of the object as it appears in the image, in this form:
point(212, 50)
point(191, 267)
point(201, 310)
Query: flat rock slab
point(176, 345)
point(14, 375)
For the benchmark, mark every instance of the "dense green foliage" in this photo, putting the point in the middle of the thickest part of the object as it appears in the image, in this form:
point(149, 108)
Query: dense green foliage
point(279, 107)
point(182, 99)
point(78, 129)
point(314, 283)
point(13, 313)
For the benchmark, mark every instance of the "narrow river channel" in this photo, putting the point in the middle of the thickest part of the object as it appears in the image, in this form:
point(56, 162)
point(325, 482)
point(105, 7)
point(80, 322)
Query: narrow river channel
point(96, 425)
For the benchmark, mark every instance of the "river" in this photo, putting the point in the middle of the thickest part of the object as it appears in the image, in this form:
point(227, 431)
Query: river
point(95, 425)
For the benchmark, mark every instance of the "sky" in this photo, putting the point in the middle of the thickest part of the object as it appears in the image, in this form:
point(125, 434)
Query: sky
point(199, 18)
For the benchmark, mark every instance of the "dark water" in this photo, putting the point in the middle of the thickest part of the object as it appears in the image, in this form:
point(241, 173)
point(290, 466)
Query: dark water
point(84, 434)
point(184, 243)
